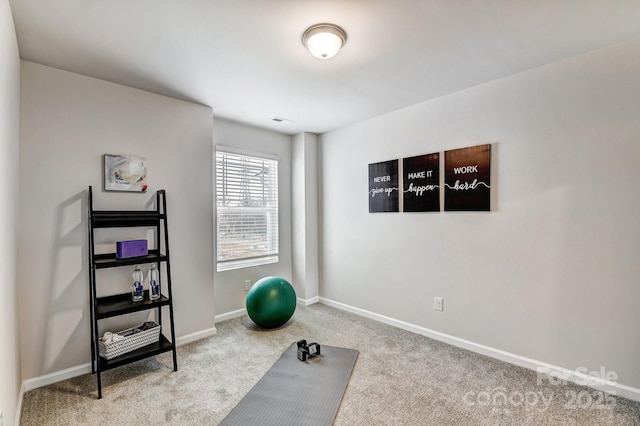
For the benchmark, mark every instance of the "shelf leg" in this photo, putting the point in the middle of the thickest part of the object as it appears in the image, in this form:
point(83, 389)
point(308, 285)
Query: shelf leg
point(175, 358)
point(99, 385)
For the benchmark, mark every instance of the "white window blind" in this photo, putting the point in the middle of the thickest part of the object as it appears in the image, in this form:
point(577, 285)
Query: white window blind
point(247, 210)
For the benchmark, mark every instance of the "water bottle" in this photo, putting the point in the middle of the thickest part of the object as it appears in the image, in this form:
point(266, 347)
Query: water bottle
point(154, 284)
point(137, 295)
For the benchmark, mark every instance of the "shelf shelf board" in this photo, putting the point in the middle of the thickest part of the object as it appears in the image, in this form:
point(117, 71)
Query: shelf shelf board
point(125, 218)
point(120, 304)
point(109, 260)
point(161, 346)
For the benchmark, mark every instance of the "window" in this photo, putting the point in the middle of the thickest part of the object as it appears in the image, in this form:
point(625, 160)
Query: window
point(247, 209)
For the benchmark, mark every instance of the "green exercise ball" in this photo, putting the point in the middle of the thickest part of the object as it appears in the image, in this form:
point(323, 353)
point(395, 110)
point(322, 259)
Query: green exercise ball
point(271, 301)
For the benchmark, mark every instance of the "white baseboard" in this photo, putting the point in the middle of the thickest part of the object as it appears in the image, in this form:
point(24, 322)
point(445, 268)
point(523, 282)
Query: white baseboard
point(241, 312)
point(556, 373)
point(79, 370)
point(56, 376)
point(574, 376)
point(230, 315)
point(19, 406)
point(307, 302)
point(183, 340)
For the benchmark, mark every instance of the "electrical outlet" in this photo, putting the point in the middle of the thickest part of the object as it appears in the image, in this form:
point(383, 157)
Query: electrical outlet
point(247, 285)
point(437, 303)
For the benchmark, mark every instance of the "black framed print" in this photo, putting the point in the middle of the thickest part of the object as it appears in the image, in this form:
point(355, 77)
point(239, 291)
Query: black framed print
point(467, 179)
point(383, 187)
point(421, 183)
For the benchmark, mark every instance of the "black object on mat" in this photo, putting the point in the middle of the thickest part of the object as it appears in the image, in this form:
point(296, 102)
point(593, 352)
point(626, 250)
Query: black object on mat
point(297, 393)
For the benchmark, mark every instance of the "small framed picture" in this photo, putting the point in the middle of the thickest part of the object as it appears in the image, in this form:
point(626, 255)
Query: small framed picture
point(124, 173)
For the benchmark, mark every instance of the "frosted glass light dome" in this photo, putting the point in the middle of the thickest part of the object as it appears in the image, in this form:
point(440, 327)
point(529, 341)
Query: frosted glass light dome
point(324, 41)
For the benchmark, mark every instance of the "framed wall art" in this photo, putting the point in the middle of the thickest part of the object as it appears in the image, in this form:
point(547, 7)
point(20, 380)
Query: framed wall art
point(383, 187)
point(421, 183)
point(124, 173)
point(467, 179)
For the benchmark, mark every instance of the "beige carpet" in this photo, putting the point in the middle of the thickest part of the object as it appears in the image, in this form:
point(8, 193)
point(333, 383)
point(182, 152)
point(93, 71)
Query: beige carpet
point(400, 378)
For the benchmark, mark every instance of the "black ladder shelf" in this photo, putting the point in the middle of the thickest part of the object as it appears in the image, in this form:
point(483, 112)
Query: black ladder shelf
point(121, 304)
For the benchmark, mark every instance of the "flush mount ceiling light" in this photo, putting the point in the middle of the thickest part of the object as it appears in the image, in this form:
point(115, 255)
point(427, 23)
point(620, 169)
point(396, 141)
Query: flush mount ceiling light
point(324, 40)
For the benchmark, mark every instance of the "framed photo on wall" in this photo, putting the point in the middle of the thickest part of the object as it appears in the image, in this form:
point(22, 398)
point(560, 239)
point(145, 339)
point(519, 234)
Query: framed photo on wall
point(124, 173)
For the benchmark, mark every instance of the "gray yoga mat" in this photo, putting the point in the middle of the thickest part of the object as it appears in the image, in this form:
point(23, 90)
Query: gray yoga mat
point(297, 393)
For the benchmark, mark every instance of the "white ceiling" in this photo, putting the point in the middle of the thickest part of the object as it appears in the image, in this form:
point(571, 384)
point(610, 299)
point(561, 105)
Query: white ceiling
point(245, 59)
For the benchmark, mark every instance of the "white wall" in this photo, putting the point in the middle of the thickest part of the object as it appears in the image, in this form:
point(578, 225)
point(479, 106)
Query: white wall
point(229, 285)
point(67, 122)
point(552, 272)
point(10, 377)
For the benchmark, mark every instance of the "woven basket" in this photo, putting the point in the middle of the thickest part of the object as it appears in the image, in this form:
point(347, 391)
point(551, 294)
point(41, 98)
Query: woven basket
point(134, 338)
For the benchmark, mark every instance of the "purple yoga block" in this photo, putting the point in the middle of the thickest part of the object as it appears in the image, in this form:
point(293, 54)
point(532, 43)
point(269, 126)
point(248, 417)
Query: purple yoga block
point(133, 248)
